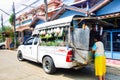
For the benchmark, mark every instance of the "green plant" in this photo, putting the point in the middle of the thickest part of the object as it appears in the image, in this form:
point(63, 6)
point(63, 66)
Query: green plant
point(11, 19)
point(7, 31)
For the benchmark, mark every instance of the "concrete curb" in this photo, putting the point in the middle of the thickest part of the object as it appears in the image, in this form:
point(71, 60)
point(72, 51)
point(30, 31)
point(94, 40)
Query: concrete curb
point(113, 63)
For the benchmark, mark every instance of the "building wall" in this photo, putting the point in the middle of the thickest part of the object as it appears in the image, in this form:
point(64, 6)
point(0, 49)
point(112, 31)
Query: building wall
point(7, 43)
point(111, 43)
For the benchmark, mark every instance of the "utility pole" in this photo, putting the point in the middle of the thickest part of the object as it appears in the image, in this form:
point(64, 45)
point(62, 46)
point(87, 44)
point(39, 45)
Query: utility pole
point(2, 21)
point(2, 25)
point(14, 22)
point(46, 10)
point(88, 14)
point(2, 17)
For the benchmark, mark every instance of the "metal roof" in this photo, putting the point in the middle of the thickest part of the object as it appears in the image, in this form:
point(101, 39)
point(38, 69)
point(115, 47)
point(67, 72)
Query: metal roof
point(56, 23)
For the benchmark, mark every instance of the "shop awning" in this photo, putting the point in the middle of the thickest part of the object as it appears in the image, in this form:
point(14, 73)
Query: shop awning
point(55, 23)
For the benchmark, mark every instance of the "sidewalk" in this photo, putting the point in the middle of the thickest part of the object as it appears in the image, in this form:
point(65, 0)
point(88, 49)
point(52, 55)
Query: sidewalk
point(113, 63)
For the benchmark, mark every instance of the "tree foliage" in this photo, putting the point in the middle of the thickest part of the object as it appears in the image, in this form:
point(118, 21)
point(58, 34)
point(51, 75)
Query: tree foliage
point(11, 19)
point(7, 31)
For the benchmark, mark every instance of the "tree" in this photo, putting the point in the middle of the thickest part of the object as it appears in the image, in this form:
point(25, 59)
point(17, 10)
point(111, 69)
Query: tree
point(7, 31)
point(11, 19)
point(12, 22)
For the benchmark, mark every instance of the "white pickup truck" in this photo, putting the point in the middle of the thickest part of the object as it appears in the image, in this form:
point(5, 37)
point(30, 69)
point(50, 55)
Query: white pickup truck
point(51, 57)
point(62, 43)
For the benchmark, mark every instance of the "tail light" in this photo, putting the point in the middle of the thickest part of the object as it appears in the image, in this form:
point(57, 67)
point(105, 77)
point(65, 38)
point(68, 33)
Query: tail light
point(69, 56)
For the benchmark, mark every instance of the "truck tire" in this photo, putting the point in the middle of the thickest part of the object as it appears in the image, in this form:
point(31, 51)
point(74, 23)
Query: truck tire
point(20, 56)
point(48, 65)
point(3, 46)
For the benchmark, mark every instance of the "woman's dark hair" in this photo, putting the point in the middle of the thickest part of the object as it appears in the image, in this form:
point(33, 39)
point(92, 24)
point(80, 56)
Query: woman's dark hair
point(97, 36)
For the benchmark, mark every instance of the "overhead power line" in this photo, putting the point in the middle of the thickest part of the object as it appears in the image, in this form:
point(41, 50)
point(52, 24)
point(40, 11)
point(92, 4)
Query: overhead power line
point(20, 10)
point(27, 6)
point(5, 12)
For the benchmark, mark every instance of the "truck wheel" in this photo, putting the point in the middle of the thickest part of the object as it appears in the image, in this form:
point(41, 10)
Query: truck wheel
point(20, 56)
point(48, 65)
point(3, 47)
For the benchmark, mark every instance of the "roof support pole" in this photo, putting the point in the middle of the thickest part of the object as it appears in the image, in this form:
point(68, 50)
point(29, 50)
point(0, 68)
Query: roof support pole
point(46, 10)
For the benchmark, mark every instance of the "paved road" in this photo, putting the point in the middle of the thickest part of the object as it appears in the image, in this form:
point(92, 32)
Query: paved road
point(12, 69)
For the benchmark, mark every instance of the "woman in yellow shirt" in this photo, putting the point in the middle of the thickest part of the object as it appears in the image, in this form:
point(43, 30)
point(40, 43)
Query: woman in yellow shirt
point(100, 59)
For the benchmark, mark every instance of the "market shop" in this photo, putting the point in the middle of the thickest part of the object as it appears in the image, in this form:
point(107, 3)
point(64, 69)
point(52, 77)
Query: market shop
point(111, 14)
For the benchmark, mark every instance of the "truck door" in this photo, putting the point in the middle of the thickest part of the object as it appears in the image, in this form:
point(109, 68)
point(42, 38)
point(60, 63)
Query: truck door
point(28, 48)
point(34, 53)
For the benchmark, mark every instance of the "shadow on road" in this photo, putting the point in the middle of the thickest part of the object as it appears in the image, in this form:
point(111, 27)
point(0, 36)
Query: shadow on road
point(86, 73)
